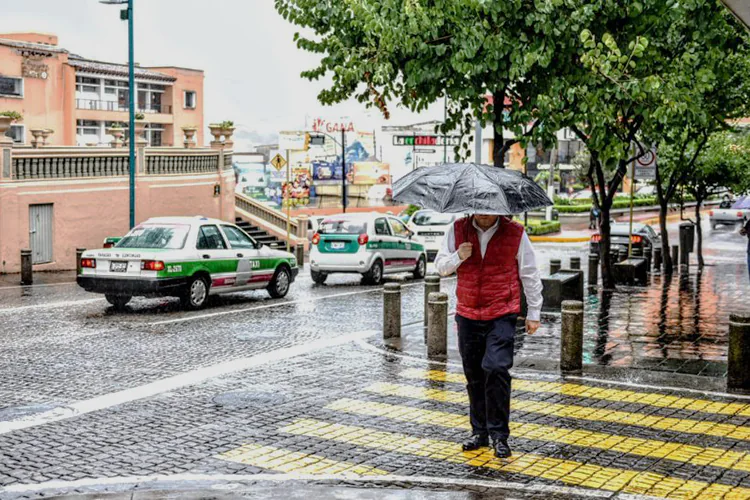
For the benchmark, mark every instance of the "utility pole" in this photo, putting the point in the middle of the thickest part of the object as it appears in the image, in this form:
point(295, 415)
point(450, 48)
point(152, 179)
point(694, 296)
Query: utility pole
point(478, 145)
point(343, 169)
point(445, 137)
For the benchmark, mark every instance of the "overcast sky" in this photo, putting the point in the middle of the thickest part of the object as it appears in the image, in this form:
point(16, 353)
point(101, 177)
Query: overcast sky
point(246, 49)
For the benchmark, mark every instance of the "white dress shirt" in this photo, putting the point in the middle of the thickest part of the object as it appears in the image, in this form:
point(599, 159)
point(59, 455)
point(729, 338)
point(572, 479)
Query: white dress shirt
point(448, 261)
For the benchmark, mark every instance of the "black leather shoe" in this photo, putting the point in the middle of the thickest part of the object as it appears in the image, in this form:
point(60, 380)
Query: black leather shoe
point(475, 442)
point(502, 450)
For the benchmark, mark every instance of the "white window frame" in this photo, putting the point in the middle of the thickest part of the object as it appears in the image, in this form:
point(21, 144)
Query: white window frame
point(23, 87)
point(184, 99)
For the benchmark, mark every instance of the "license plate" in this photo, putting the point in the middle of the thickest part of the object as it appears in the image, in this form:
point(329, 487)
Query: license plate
point(430, 239)
point(337, 245)
point(118, 267)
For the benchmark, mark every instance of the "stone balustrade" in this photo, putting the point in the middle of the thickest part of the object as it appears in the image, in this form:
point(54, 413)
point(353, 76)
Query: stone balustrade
point(268, 214)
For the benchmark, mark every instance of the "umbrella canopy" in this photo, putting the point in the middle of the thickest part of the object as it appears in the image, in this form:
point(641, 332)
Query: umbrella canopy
point(470, 188)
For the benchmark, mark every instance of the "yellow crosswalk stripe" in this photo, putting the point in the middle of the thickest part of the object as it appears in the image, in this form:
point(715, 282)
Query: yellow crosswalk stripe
point(695, 455)
point(572, 411)
point(583, 391)
point(282, 460)
point(567, 471)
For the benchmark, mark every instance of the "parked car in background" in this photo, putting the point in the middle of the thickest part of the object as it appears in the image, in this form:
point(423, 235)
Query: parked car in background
point(643, 237)
point(372, 245)
point(431, 227)
point(646, 191)
point(730, 214)
point(313, 223)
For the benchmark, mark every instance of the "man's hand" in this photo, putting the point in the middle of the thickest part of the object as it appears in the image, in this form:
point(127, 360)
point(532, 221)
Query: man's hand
point(532, 326)
point(464, 251)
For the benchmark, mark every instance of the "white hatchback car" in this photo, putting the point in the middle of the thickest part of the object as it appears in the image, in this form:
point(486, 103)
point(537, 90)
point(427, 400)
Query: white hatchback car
point(431, 227)
point(372, 245)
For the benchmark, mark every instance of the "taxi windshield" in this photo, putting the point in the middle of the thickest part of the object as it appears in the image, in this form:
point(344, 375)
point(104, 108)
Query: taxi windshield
point(170, 237)
point(342, 226)
point(433, 219)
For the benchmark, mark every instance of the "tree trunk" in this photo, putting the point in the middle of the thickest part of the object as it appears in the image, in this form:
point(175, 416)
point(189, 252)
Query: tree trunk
point(699, 229)
point(666, 254)
point(608, 275)
point(498, 142)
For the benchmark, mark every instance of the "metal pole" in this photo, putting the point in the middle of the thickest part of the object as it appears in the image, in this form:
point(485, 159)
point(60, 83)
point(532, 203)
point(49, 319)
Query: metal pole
point(131, 88)
point(287, 200)
point(632, 194)
point(478, 145)
point(343, 169)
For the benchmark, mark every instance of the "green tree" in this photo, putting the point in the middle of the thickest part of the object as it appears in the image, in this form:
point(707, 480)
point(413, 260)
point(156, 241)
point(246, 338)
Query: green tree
point(724, 162)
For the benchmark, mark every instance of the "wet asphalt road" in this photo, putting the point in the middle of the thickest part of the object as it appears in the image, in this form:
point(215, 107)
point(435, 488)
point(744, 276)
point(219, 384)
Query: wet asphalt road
point(59, 344)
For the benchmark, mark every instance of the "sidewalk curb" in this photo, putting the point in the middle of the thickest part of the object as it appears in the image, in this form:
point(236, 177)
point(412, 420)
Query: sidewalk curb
point(559, 239)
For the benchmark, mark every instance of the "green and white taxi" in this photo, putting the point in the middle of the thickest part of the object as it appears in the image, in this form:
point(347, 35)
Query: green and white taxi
point(372, 245)
point(186, 257)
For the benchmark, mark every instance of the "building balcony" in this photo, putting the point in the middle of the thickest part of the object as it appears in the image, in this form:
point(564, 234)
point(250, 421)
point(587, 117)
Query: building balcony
point(95, 105)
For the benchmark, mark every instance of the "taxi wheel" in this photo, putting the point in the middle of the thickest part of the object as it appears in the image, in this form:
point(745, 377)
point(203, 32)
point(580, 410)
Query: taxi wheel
point(119, 301)
point(318, 277)
point(279, 286)
point(421, 268)
point(375, 275)
point(196, 294)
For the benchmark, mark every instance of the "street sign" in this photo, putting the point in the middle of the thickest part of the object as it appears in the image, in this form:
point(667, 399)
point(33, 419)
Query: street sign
point(426, 140)
point(278, 162)
point(293, 141)
point(645, 166)
point(317, 140)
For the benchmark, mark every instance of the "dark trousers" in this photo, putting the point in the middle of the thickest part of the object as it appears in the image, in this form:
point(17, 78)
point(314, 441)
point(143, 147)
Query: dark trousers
point(486, 349)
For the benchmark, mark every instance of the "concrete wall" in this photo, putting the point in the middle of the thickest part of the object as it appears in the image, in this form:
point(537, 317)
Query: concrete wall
point(86, 210)
point(43, 103)
point(187, 79)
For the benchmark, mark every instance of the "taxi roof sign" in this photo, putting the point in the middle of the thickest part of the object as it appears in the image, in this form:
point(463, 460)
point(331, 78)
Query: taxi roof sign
point(278, 161)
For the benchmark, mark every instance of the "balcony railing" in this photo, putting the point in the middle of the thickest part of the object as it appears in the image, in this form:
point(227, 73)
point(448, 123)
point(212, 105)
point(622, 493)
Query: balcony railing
point(117, 106)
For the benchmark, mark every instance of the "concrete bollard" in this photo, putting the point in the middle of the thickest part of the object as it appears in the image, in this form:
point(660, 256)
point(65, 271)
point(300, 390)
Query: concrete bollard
point(675, 255)
point(554, 265)
point(657, 259)
point(593, 269)
point(637, 252)
point(391, 311)
point(299, 253)
point(79, 254)
point(738, 358)
point(649, 255)
point(431, 285)
point(437, 324)
point(26, 274)
point(571, 339)
point(575, 262)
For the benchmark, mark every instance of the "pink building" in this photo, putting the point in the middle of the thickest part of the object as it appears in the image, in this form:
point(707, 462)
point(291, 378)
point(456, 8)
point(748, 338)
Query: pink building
point(78, 98)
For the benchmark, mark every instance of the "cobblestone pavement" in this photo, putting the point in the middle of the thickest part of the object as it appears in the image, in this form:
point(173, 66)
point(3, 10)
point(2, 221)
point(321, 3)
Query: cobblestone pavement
point(382, 420)
point(254, 393)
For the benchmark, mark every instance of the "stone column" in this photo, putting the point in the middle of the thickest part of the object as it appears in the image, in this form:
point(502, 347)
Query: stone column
point(738, 358)
point(571, 339)
point(437, 324)
point(391, 311)
point(6, 157)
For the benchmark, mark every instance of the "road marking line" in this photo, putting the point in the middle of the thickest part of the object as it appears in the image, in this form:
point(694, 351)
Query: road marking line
point(677, 452)
point(176, 382)
point(277, 304)
point(530, 374)
point(50, 305)
point(142, 482)
point(603, 393)
point(686, 426)
point(282, 460)
point(555, 469)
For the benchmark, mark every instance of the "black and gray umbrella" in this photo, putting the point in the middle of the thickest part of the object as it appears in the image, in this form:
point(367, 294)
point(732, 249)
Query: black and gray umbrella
point(470, 188)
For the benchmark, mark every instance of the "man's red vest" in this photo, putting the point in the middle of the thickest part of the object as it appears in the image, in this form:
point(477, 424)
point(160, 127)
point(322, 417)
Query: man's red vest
point(489, 288)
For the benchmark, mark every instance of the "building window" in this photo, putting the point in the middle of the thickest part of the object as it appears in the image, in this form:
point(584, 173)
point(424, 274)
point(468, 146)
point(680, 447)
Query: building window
point(190, 99)
point(16, 133)
point(10, 86)
point(88, 127)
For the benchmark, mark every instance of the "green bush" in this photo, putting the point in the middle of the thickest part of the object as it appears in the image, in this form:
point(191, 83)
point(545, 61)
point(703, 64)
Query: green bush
point(410, 210)
point(540, 227)
point(561, 201)
point(581, 206)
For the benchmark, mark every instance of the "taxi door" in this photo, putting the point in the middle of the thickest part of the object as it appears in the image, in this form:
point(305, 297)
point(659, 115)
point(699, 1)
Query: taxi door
point(385, 242)
point(245, 250)
point(406, 257)
point(216, 256)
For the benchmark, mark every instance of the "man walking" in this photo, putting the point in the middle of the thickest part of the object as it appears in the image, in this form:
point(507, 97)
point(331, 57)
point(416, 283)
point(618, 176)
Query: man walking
point(495, 263)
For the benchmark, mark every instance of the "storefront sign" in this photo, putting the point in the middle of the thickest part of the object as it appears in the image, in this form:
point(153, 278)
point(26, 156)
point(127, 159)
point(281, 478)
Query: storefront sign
point(426, 140)
point(321, 125)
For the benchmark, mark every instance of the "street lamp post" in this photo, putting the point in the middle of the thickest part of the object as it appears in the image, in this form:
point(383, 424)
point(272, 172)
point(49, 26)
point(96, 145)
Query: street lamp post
point(127, 14)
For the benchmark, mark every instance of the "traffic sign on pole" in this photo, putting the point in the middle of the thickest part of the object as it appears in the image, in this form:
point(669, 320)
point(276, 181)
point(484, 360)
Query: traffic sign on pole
point(278, 162)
